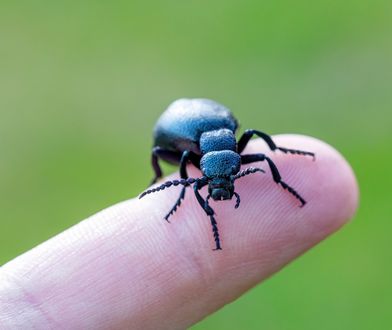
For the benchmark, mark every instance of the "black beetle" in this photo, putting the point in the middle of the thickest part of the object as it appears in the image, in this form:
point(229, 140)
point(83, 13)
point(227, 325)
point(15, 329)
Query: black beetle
point(202, 132)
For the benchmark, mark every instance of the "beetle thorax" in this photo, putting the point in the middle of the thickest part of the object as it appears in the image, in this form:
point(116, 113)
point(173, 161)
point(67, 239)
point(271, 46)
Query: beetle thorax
point(221, 139)
point(220, 162)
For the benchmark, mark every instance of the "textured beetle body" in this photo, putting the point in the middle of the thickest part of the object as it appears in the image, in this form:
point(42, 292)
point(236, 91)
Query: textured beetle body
point(180, 127)
point(202, 132)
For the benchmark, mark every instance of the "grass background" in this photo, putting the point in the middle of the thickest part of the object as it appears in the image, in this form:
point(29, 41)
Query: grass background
point(82, 83)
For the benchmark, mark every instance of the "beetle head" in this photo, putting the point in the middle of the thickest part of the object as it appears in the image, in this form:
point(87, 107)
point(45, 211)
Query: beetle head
point(220, 167)
point(221, 188)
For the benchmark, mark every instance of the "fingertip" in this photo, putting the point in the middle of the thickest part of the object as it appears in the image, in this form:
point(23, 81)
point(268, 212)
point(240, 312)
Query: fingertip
point(328, 184)
point(265, 233)
point(125, 268)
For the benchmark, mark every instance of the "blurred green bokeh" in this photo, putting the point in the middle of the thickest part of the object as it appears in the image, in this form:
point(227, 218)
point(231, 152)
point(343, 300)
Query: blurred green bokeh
point(82, 83)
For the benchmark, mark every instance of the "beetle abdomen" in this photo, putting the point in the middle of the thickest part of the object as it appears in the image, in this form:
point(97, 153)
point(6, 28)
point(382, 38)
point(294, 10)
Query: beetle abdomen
point(181, 125)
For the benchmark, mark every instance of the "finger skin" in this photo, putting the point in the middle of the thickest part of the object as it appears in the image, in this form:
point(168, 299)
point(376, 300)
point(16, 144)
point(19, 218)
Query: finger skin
point(125, 267)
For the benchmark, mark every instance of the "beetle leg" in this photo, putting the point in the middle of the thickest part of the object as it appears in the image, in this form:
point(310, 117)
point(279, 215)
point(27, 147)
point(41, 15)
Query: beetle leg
point(159, 153)
point(246, 159)
point(216, 233)
point(209, 211)
point(186, 156)
point(245, 138)
point(176, 205)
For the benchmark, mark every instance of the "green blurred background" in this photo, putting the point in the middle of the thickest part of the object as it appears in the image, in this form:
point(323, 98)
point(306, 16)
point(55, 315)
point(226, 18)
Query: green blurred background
point(82, 83)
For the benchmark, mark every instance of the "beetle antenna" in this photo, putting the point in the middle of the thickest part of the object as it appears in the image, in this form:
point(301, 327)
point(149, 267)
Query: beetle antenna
point(237, 203)
point(247, 171)
point(168, 184)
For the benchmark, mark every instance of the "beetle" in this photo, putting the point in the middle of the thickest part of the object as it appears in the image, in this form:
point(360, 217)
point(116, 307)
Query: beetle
point(202, 132)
